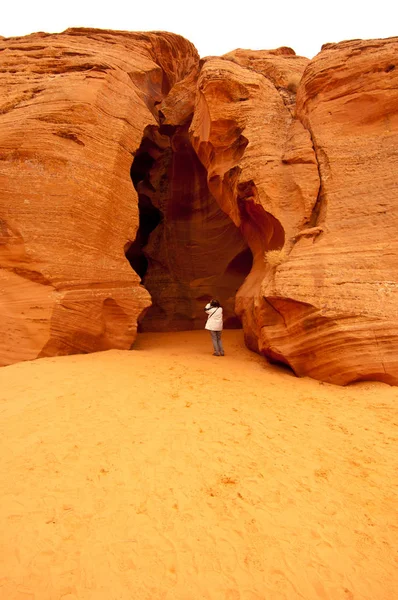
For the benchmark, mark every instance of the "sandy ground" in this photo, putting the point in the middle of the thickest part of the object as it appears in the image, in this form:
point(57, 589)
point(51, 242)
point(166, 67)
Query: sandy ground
point(165, 472)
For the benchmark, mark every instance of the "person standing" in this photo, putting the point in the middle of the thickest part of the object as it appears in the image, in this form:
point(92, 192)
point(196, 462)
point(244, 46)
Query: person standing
point(214, 324)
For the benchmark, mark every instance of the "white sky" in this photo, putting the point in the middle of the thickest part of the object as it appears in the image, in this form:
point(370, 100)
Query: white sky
point(214, 26)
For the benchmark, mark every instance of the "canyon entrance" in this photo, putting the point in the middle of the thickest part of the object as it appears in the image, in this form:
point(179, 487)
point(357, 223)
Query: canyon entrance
point(187, 250)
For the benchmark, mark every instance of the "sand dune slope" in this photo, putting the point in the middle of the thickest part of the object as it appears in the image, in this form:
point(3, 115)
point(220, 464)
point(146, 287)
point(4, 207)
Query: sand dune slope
point(167, 473)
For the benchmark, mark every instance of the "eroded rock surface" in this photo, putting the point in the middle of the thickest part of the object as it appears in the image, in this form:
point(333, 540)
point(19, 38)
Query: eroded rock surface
point(324, 301)
point(73, 108)
point(341, 280)
point(261, 168)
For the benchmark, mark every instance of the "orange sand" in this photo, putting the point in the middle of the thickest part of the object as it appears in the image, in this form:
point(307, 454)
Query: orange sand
point(167, 473)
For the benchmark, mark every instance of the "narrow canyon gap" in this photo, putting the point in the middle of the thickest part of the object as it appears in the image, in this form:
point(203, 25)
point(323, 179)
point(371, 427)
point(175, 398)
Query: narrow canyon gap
point(187, 250)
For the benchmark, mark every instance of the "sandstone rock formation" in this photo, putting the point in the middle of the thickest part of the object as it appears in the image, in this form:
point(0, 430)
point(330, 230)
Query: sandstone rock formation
point(255, 161)
point(261, 167)
point(73, 108)
point(337, 294)
point(326, 304)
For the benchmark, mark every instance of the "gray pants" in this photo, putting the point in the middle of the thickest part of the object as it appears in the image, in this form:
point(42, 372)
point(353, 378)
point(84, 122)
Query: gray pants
point(217, 343)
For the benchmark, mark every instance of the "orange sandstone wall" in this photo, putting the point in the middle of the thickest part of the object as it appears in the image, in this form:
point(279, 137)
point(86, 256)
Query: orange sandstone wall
point(340, 321)
point(313, 188)
point(261, 164)
point(73, 108)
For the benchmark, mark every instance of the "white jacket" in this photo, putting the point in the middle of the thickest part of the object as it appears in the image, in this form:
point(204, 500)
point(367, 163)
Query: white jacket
point(214, 319)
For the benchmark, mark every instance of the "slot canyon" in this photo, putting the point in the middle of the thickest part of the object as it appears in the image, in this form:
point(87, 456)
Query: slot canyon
point(187, 250)
point(137, 181)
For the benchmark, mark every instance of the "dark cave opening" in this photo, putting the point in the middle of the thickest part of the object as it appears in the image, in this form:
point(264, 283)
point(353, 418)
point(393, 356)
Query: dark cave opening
point(241, 264)
point(186, 250)
point(149, 219)
point(142, 164)
point(149, 215)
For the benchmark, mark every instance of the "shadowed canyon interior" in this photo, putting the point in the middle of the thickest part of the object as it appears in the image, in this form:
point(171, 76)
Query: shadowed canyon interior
point(187, 250)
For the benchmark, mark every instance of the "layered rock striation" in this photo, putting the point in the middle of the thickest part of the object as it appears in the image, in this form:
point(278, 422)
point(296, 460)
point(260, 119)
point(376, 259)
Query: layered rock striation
point(336, 294)
point(262, 178)
point(73, 108)
point(313, 188)
point(261, 166)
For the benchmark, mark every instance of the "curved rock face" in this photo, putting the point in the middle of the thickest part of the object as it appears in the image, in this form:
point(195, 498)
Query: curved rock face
point(73, 108)
point(324, 299)
point(261, 168)
point(344, 316)
point(340, 323)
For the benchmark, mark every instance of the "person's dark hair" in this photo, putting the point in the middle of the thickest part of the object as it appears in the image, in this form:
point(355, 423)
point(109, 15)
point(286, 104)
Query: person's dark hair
point(214, 303)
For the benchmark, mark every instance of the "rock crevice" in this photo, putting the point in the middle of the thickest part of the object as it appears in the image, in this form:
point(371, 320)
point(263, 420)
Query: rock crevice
point(192, 252)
